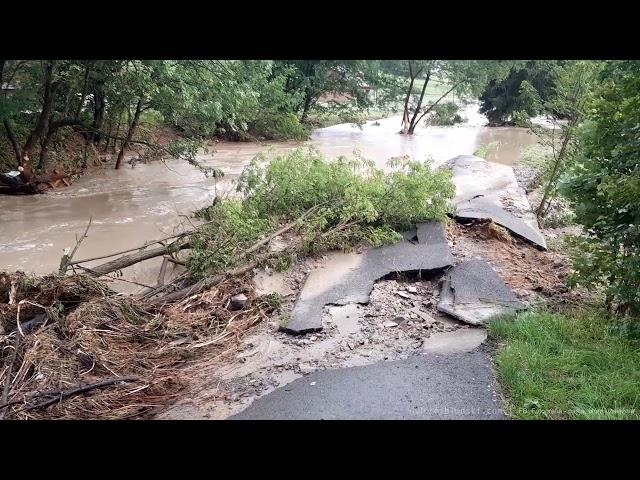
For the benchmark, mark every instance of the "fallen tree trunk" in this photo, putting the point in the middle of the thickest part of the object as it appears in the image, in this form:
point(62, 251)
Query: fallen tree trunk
point(128, 260)
point(212, 281)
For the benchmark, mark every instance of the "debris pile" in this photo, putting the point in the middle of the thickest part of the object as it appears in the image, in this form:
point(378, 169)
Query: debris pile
point(91, 353)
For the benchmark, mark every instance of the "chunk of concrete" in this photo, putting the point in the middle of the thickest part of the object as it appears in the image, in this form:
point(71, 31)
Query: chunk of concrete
point(490, 190)
point(349, 278)
point(474, 293)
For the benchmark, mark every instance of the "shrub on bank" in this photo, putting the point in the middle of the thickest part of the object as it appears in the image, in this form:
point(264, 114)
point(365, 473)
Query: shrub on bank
point(344, 202)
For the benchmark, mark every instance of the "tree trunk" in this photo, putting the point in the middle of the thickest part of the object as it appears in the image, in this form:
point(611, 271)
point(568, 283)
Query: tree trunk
point(556, 171)
point(306, 107)
point(130, 132)
point(45, 114)
point(405, 117)
point(98, 113)
point(128, 260)
point(44, 151)
point(412, 125)
point(14, 142)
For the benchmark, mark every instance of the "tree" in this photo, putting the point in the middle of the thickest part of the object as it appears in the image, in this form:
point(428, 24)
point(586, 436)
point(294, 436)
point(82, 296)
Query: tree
point(312, 78)
point(523, 92)
point(461, 76)
point(604, 188)
point(568, 101)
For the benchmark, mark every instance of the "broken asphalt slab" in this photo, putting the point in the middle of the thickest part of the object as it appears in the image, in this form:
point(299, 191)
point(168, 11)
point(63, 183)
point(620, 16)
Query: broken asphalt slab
point(491, 190)
point(355, 275)
point(474, 293)
point(481, 208)
point(429, 386)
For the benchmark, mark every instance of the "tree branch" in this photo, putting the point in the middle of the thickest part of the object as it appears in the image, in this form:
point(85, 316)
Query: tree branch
point(438, 101)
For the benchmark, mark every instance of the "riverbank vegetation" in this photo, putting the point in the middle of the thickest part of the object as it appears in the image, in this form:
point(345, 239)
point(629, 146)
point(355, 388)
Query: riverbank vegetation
point(334, 205)
point(583, 363)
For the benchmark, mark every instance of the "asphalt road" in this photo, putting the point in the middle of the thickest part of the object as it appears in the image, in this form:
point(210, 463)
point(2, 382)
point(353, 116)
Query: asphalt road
point(429, 386)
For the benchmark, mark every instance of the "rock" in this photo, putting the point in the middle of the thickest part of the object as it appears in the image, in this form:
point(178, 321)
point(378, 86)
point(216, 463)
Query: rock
point(350, 345)
point(389, 324)
point(404, 295)
point(424, 316)
point(238, 302)
point(411, 289)
point(306, 368)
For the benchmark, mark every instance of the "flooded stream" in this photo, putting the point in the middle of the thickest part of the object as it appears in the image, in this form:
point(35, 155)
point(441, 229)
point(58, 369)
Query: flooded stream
point(134, 205)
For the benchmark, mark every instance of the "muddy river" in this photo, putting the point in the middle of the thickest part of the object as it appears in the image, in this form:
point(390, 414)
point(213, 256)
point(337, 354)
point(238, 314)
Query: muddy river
point(134, 205)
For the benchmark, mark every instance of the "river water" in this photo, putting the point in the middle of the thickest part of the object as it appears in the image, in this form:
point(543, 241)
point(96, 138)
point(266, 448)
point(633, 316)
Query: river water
point(134, 205)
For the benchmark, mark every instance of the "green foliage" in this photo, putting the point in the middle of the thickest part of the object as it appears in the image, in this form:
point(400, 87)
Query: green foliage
point(308, 80)
point(282, 126)
point(233, 228)
point(444, 114)
point(604, 189)
point(358, 192)
point(522, 93)
point(579, 365)
point(347, 202)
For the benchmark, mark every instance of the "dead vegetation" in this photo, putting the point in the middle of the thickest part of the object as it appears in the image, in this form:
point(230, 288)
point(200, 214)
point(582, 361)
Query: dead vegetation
point(95, 354)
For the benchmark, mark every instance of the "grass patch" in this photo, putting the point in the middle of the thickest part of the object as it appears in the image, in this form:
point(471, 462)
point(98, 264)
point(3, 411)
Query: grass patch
point(484, 150)
point(577, 365)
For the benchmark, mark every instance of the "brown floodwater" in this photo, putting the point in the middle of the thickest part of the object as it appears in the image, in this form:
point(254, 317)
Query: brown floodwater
point(134, 205)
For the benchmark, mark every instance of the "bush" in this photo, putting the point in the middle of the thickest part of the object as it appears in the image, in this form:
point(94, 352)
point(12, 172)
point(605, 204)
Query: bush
point(444, 115)
point(279, 126)
point(354, 203)
point(604, 188)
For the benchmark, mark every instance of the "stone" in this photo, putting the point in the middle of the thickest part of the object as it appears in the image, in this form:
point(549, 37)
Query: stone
point(238, 302)
point(389, 324)
point(306, 368)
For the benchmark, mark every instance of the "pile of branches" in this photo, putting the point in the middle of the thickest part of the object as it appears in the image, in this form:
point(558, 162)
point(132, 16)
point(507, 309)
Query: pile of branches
point(78, 350)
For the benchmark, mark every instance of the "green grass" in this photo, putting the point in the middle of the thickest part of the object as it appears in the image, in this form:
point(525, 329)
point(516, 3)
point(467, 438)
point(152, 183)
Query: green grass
point(435, 88)
point(322, 119)
point(484, 150)
point(577, 365)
